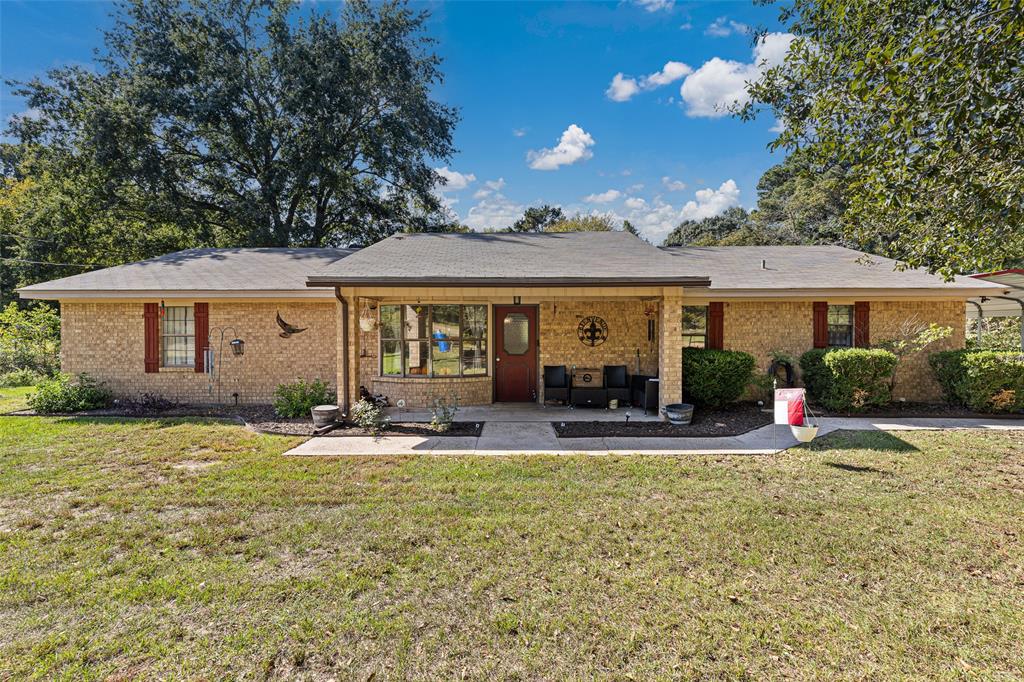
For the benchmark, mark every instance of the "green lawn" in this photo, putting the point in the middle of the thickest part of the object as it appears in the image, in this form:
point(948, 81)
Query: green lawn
point(12, 399)
point(145, 549)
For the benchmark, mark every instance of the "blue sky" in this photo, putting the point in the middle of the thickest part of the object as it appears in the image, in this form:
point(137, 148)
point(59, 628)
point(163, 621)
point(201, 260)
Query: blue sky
point(596, 107)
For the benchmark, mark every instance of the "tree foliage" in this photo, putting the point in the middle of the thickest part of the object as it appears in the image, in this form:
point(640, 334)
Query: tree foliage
point(256, 123)
point(538, 218)
point(583, 223)
point(923, 101)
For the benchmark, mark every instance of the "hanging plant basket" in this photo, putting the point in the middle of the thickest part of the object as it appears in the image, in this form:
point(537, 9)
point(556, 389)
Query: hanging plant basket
point(367, 320)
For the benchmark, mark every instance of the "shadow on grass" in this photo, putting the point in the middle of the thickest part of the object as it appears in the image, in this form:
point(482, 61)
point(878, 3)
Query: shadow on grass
point(853, 468)
point(878, 441)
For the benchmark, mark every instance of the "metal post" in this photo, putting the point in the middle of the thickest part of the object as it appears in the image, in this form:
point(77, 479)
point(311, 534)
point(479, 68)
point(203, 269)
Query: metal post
point(981, 316)
point(1019, 302)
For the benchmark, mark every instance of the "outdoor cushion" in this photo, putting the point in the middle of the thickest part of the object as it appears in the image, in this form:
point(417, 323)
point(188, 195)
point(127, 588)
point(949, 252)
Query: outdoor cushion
point(555, 376)
point(615, 376)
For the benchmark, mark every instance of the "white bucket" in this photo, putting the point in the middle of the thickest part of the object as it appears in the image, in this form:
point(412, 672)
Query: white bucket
point(804, 434)
point(613, 404)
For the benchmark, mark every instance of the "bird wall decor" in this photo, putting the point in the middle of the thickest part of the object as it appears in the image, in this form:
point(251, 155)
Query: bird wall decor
point(288, 329)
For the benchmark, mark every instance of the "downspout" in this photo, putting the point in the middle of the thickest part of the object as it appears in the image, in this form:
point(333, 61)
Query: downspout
point(1019, 302)
point(981, 318)
point(343, 389)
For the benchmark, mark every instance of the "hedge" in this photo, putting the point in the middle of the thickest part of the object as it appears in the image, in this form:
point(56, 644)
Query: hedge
point(712, 378)
point(849, 378)
point(983, 380)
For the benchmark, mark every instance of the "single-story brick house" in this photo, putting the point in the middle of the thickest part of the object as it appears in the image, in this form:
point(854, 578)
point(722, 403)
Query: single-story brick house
point(479, 315)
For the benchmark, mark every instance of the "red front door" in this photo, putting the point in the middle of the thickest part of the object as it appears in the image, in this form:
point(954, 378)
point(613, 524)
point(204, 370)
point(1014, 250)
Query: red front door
point(515, 361)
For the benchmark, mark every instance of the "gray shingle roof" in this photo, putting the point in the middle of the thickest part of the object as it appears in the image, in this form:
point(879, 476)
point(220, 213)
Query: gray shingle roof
point(234, 270)
point(805, 267)
point(505, 259)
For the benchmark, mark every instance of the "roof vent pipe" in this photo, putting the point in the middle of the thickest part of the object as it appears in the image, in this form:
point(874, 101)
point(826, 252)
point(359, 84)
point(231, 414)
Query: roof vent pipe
point(764, 264)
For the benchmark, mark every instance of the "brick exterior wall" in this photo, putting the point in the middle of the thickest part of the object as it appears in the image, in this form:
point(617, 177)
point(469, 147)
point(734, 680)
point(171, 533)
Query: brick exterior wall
point(761, 327)
point(914, 378)
point(106, 340)
point(627, 334)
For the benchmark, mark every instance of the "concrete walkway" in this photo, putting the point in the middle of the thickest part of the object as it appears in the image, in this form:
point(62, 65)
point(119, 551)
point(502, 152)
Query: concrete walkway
point(531, 438)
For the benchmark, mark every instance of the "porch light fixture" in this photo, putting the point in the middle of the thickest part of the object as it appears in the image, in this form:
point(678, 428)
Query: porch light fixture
point(237, 347)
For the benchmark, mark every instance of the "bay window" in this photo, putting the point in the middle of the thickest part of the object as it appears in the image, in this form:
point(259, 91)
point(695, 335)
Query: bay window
point(443, 340)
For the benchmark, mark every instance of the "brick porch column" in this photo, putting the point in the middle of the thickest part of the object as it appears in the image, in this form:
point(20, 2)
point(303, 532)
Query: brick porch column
point(670, 348)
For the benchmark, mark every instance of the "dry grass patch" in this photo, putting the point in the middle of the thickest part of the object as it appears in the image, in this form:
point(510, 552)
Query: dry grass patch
point(182, 549)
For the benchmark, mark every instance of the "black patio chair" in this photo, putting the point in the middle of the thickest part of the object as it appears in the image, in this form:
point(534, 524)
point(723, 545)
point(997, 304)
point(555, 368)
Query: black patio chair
point(556, 383)
point(645, 392)
point(616, 382)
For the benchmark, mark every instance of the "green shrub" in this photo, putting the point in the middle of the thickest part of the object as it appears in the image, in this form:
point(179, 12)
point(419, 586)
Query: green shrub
point(814, 373)
point(20, 377)
point(297, 399)
point(983, 380)
point(849, 378)
point(370, 416)
point(443, 410)
point(712, 378)
point(64, 394)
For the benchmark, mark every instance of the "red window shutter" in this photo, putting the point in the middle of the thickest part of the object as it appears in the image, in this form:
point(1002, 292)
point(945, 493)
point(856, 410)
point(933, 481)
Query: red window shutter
point(716, 326)
point(821, 324)
point(861, 324)
point(151, 316)
point(201, 314)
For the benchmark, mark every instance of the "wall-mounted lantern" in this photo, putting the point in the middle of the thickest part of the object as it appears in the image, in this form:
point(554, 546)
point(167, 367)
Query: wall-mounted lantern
point(238, 347)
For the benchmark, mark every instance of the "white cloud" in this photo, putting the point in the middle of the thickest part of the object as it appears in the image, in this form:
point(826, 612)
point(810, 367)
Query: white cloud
point(670, 73)
point(573, 146)
point(656, 5)
point(603, 198)
point(685, 27)
point(496, 211)
point(635, 188)
point(720, 83)
point(722, 27)
point(673, 185)
point(519, 132)
point(623, 87)
point(454, 180)
point(710, 202)
point(655, 219)
point(489, 188)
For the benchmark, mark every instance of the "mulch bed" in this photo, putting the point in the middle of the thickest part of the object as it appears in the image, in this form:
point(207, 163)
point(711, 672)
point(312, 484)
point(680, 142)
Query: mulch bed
point(259, 418)
point(727, 421)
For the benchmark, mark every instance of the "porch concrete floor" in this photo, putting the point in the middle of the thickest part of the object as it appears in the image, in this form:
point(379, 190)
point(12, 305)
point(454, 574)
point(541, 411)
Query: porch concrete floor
point(528, 412)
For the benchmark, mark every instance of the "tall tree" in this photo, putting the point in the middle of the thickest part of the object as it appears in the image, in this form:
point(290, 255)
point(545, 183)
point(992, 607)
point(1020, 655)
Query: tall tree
point(266, 123)
point(583, 223)
point(924, 101)
point(799, 202)
point(709, 231)
point(537, 219)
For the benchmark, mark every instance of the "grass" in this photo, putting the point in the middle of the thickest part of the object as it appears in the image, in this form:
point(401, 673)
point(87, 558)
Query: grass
point(12, 399)
point(180, 549)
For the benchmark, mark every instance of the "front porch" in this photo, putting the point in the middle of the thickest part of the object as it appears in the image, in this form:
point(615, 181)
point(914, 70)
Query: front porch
point(527, 412)
point(488, 349)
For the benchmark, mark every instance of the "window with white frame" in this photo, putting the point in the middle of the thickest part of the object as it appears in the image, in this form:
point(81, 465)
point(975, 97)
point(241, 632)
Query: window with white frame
point(177, 336)
point(695, 326)
point(444, 340)
point(840, 326)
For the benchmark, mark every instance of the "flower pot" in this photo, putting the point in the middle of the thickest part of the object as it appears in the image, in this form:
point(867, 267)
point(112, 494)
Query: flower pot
point(324, 415)
point(805, 433)
point(678, 413)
